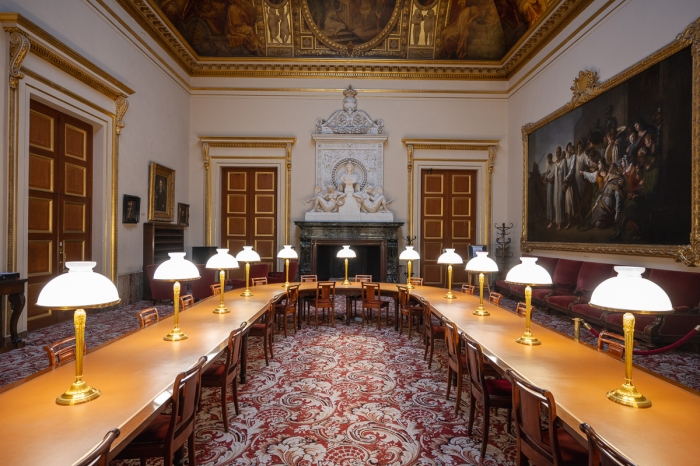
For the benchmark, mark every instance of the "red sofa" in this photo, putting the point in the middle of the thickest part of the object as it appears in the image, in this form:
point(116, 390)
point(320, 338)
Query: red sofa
point(590, 275)
point(160, 291)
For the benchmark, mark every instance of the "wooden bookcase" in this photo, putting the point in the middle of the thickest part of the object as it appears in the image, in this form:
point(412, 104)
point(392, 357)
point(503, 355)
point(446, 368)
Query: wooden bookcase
point(158, 240)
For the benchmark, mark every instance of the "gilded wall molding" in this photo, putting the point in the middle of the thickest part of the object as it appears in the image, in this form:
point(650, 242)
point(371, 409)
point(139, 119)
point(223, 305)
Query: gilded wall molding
point(488, 145)
point(209, 142)
point(122, 105)
point(586, 86)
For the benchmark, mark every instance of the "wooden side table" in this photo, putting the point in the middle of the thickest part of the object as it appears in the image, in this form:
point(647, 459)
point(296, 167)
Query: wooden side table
point(14, 289)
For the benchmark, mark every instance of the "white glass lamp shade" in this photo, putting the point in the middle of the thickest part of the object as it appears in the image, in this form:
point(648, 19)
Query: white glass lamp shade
point(177, 268)
point(346, 253)
point(409, 254)
point(287, 252)
point(80, 288)
point(449, 257)
point(528, 273)
point(482, 263)
point(629, 292)
point(222, 260)
point(248, 255)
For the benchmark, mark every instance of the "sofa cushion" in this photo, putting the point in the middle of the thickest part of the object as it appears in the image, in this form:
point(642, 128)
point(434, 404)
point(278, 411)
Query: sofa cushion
point(591, 275)
point(683, 288)
point(588, 312)
point(566, 273)
point(561, 302)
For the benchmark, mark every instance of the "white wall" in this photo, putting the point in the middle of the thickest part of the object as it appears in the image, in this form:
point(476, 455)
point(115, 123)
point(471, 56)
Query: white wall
point(621, 36)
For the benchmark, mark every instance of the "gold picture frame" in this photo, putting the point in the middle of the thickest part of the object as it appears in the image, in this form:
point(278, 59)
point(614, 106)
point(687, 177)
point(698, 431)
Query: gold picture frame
point(183, 214)
point(587, 87)
point(161, 193)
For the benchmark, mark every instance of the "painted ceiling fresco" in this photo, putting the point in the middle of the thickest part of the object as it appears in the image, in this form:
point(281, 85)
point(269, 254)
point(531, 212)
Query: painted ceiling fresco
point(458, 30)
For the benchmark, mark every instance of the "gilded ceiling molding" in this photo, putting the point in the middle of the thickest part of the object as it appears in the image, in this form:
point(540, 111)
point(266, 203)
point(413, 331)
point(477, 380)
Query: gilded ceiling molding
point(19, 46)
point(488, 145)
point(242, 142)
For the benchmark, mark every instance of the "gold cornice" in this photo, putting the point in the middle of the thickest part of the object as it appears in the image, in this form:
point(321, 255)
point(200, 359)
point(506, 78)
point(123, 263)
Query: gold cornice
point(451, 144)
point(75, 64)
point(224, 141)
point(335, 91)
point(167, 36)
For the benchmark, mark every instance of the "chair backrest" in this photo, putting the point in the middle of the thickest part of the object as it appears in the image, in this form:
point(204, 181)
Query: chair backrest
point(259, 270)
point(308, 278)
point(403, 296)
point(185, 400)
point(468, 289)
point(521, 309)
point(215, 289)
point(186, 301)
point(363, 278)
point(292, 296)
point(600, 452)
point(452, 340)
point(371, 293)
point(61, 351)
point(529, 403)
point(258, 281)
point(615, 342)
point(98, 455)
point(233, 351)
point(416, 281)
point(495, 298)
point(325, 293)
point(147, 317)
point(475, 363)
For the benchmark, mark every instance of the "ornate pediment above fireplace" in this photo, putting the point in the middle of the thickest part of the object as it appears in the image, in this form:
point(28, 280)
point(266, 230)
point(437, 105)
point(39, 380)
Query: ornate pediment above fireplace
point(349, 167)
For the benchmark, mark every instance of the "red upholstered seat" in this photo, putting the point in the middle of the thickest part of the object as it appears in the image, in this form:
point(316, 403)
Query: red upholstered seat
point(571, 451)
point(683, 288)
point(499, 387)
point(590, 314)
point(590, 275)
point(216, 370)
point(563, 279)
point(256, 271)
point(280, 277)
point(156, 431)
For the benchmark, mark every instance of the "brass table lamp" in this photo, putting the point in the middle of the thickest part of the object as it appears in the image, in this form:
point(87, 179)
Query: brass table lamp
point(287, 253)
point(247, 255)
point(79, 289)
point(530, 274)
point(176, 269)
point(481, 263)
point(628, 293)
point(222, 261)
point(449, 257)
point(409, 255)
point(346, 253)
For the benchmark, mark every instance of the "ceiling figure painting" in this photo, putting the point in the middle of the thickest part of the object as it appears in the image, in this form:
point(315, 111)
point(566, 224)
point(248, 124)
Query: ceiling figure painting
point(455, 30)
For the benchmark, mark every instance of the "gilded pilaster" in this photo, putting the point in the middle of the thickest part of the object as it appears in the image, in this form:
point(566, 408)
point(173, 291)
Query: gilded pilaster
point(410, 190)
point(122, 105)
point(489, 197)
point(207, 194)
point(288, 196)
point(19, 47)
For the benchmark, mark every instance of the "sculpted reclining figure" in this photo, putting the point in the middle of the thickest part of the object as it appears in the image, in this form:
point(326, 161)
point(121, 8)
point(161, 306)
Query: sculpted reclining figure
point(372, 200)
point(328, 202)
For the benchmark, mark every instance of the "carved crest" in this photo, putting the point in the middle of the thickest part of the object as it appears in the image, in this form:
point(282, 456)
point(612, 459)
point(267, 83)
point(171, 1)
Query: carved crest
point(349, 120)
point(586, 86)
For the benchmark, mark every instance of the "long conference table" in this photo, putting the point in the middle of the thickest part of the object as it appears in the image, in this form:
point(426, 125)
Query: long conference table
point(136, 372)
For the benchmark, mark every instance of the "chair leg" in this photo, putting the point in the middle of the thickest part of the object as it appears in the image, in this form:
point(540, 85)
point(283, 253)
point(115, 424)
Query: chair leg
point(379, 318)
point(459, 393)
point(272, 356)
point(426, 340)
point(472, 411)
point(285, 324)
point(224, 408)
point(410, 324)
point(267, 362)
point(235, 395)
point(485, 438)
point(432, 347)
point(449, 382)
point(294, 317)
point(509, 428)
point(401, 323)
point(190, 450)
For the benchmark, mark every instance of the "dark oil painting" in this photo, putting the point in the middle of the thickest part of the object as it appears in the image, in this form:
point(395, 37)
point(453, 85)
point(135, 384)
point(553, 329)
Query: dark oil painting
point(617, 169)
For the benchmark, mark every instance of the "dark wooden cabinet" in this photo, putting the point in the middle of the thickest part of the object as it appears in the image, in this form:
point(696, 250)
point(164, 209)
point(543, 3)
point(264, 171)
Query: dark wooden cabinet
point(158, 240)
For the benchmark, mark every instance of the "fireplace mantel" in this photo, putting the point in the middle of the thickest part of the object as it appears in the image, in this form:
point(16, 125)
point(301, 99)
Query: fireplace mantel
point(383, 234)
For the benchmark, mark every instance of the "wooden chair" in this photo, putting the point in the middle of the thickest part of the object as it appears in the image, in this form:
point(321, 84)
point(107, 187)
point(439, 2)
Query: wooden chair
point(552, 446)
point(372, 299)
point(186, 301)
point(258, 281)
point(215, 289)
point(431, 332)
point(308, 299)
point(223, 375)
point(520, 309)
point(265, 329)
point(411, 311)
point(468, 289)
point(357, 298)
point(61, 351)
point(495, 298)
point(148, 316)
point(324, 299)
point(288, 307)
point(600, 452)
point(456, 361)
point(98, 455)
point(168, 432)
point(416, 281)
point(615, 342)
point(488, 392)
point(308, 278)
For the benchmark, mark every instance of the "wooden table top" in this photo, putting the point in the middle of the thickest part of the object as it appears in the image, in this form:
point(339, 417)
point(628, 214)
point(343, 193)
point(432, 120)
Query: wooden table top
point(579, 377)
point(133, 371)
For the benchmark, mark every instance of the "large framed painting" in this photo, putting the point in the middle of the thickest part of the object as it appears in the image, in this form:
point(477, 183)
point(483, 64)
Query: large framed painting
point(161, 194)
point(617, 169)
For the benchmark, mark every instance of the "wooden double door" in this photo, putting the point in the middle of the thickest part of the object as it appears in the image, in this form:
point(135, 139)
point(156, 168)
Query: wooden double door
point(249, 212)
point(448, 220)
point(59, 202)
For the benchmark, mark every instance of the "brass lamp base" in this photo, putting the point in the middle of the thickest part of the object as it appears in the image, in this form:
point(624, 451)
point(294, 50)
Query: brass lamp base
point(480, 311)
point(450, 295)
point(175, 335)
point(247, 293)
point(528, 339)
point(628, 395)
point(79, 392)
point(221, 310)
point(346, 282)
point(409, 286)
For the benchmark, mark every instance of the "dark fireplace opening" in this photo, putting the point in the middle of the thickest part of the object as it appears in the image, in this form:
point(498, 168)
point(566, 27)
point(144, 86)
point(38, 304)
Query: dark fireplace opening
point(367, 262)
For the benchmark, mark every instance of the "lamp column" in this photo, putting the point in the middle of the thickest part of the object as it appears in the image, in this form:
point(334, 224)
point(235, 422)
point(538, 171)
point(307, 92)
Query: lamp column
point(79, 391)
point(176, 334)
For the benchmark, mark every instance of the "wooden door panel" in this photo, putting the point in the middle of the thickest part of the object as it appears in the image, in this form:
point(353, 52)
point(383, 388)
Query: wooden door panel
point(236, 204)
point(75, 142)
point(433, 206)
point(41, 258)
point(236, 226)
point(75, 180)
point(41, 128)
point(42, 219)
point(41, 173)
